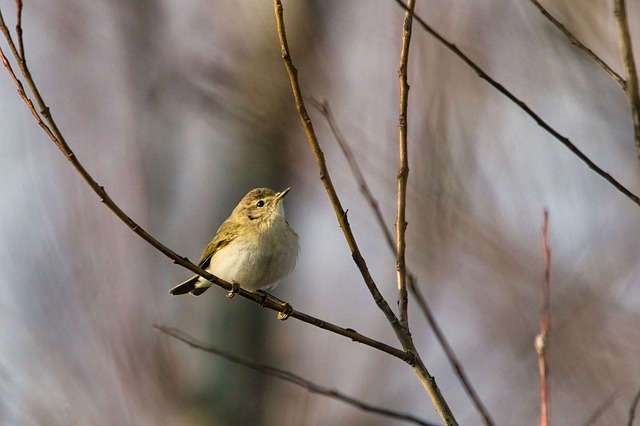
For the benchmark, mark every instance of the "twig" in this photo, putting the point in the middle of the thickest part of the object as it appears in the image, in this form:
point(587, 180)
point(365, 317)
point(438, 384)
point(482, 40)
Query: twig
point(626, 49)
point(632, 409)
point(523, 106)
point(289, 377)
point(325, 110)
point(451, 356)
point(581, 46)
point(541, 338)
point(600, 411)
point(54, 134)
point(324, 172)
point(403, 335)
point(403, 172)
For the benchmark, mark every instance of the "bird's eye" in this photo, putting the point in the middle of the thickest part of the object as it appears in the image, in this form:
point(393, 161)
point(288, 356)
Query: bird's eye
point(260, 203)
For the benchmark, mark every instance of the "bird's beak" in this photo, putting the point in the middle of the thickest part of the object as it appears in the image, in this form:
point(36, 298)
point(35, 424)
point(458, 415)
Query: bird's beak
point(281, 195)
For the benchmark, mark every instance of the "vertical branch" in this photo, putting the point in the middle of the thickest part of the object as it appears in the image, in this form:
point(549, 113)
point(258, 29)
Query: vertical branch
point(626, 49)
point(403, 172)
point(541, 338)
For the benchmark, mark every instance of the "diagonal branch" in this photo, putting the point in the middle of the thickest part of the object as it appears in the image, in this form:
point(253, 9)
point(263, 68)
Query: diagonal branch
point(325, 110)
point(403, 172)
point(632, 409)
point(620, 12)
point(523, 106)
point(574, 40)
point(326, 178)
point(50, 128)
point(290, 377)
point(403, 335)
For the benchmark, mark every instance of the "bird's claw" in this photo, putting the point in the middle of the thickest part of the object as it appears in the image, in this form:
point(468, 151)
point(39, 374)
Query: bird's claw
point(235, 288)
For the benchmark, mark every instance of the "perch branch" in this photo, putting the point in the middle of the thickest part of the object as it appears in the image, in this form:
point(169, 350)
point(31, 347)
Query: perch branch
point(50, 128)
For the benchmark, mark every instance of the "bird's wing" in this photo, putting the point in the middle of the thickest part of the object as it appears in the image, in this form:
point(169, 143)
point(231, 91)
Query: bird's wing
point(226, 233)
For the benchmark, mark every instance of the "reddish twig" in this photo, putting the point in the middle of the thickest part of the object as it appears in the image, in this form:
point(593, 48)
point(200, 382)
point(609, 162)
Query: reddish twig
point(545, 319)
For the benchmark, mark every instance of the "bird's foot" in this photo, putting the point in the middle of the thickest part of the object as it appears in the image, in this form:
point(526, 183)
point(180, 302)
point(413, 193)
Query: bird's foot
point(235, 288)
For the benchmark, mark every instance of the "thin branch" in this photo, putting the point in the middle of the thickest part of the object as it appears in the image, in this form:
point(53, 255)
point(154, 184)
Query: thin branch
point(523, 106)
point(626, 49)
point(52, 131)
point(325, 110)
point(601, 410)
point(403, 335)
point(403, 172)
point(632, 409)
point(545, 318)
point(581, 46)
point(451, 356)
point(324, 174)
point(289, 377)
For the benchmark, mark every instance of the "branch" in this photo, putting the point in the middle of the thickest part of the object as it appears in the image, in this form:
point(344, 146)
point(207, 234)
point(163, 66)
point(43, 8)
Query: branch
point(601, 410)
point(632, 410)
point(289, 377)
point(620, 12)
point(403, 335)
point(448, 350)
point(523, 106)
point(574, 40)
point(55, 135)
point(541, 338)
point(325, 110)
point(324, 173)
point(403, 172)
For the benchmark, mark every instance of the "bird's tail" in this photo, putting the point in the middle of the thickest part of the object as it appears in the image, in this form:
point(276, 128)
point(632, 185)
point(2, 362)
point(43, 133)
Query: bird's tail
point(189, 286)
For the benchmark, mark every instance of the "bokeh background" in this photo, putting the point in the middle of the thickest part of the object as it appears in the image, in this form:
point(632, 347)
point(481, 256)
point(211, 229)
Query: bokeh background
point(179, 107)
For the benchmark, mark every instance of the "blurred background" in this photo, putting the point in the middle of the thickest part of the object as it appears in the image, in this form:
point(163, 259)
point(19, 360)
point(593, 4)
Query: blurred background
point(180, 107)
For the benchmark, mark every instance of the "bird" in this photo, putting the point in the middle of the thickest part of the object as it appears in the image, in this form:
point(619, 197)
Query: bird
point(254, 248)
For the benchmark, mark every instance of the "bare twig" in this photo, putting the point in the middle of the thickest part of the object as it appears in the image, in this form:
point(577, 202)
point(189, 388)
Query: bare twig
point(574, 40)
point(325, 110)
point(289, 377)
point(403, 172)
point(451, 356)
point(523, 106)
point(541, 338)
point(632, 409)
point(403, 335)
point(52, 131)
point(601, 410)
point(626, 49)
point(324, 172)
